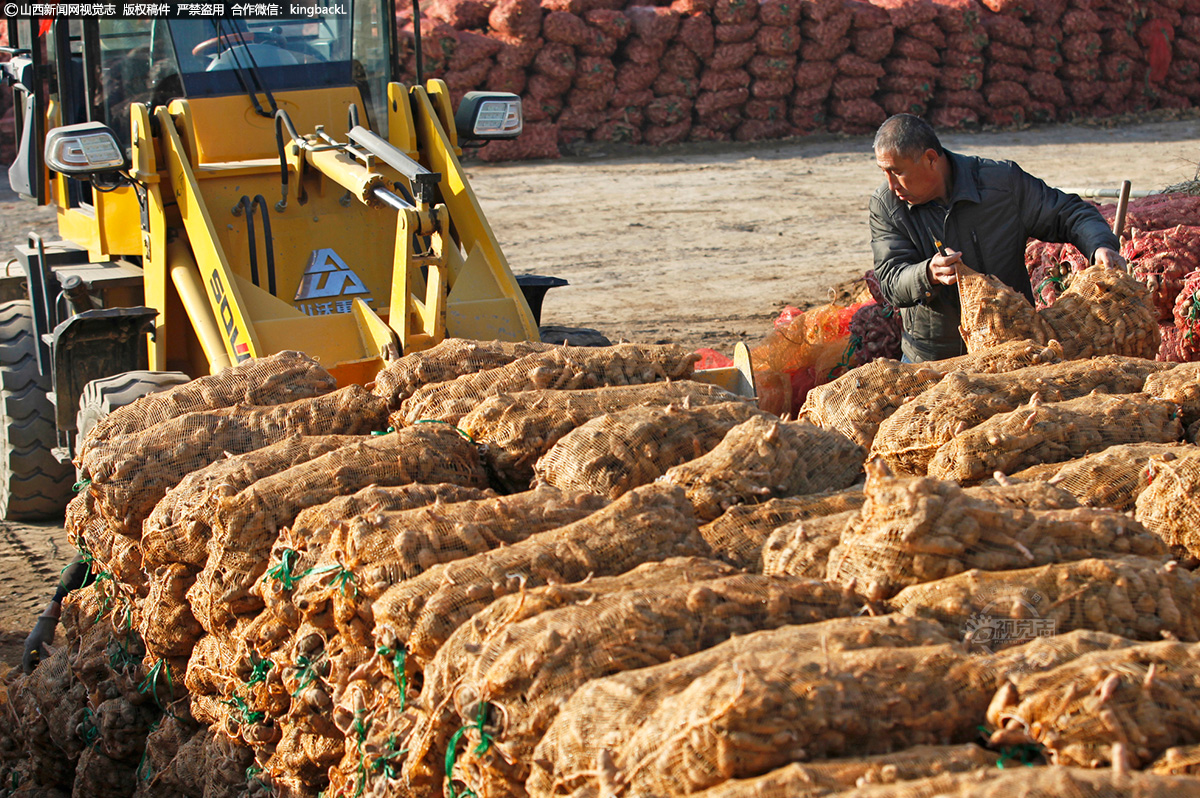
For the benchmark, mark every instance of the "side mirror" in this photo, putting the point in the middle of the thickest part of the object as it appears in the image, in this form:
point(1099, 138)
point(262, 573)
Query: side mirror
point(82, 150)
point(487, 115)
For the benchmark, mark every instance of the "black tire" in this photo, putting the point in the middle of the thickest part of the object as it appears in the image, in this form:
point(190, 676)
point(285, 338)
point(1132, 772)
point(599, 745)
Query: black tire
point(101, 397)
point(33, 485)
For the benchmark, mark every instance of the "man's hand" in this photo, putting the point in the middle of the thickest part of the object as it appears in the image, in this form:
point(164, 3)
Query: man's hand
point(942, 267)
point(1109, 258)
point(35, 644)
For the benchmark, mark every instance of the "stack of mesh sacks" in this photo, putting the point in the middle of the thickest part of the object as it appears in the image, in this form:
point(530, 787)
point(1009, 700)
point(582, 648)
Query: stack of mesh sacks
point(700, 70)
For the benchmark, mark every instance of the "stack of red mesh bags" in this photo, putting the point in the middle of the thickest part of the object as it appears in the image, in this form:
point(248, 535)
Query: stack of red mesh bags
point(1161, 242)
point(717, 70)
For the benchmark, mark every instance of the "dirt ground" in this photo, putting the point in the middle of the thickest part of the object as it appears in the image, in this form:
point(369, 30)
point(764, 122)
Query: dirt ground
point(700, 245)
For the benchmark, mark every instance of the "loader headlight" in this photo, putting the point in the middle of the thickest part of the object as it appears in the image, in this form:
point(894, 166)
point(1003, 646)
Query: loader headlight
point(85, 149)
point(484, 115)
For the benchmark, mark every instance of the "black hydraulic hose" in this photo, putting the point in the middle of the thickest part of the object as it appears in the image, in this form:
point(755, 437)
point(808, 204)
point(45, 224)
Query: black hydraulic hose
point(268, 242)
point(281, 121)
point(247, 207)
point(417, 42)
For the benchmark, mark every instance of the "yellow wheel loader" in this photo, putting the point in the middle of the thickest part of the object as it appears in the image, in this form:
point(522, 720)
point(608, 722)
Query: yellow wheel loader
point(229, 188)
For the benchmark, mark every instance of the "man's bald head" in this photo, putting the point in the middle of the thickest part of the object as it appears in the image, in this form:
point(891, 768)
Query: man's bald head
point(907, 136)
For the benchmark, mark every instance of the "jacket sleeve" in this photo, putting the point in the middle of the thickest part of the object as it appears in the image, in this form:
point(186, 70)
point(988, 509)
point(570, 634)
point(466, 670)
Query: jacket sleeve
point(903, 273)
point(1051, 215)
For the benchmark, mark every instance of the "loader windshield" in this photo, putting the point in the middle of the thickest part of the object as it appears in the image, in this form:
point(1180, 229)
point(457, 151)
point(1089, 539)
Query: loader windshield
point(297, 51)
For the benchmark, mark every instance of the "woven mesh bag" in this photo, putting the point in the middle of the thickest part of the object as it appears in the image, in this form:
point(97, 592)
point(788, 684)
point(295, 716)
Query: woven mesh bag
point(649, 523)
point(1134, 597)
point(765, 458)
point(561, 368)
point(616, 452)
point(737, 536)
point(518, 681)
point(604, 714)
point(386, 548)
point(1105, 311)
point(1008, 356)
point(178, 529)
point(451, 358)
point(1169, 506)
point(802, 547)
point(426, 728)
point(1180, 760)
point(758, 711)
point(1034, 782)
point(1181, 385)
point(917, 529)
point(993, 313)
point(131, 473)
point(274, 380)
point(166, 622)
point(518, 428)
point(1112, 478)
point(1125, 706)
point(247, 523)
point(1054, 432)
point(908, 439)
point(816, 779)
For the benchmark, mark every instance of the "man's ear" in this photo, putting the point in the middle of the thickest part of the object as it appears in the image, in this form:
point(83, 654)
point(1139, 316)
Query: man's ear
point(931, 156)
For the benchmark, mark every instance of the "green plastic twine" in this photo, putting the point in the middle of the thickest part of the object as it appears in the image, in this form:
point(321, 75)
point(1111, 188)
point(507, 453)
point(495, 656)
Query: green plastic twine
point(1022, 754)
point(90, 734)
point(150, 683)
point(397, 656)
point(485, 742)
point(360, 731)
point(459, 430)
point(385, 762)
point(306, 671)
point(847, 356)
point(342, 576)
point(259, 672)
point(283, 571)
point(246, 716)
point(144, 761)
point(80, 485)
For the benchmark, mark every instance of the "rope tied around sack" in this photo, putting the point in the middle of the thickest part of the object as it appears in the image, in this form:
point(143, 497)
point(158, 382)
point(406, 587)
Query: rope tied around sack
point(852, 348)
point(485, 742)
point(1193, 314)
point(386, 762)
point(80, 485)
point(119, 658)
point(145, 763)
point(246, 716)
point(252, 772)
point(457, 429)
point(360, 733)
point(150, 683)
point(88, 729)
point(306, 672)
point(282, 571)
point(342, 576)
point(258, 673)
point(398, 673)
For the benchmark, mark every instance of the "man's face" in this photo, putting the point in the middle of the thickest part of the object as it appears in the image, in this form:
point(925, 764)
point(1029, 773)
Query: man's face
point(915, 181)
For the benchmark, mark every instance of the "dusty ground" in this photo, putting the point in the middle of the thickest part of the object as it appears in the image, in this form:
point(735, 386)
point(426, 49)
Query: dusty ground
point(700, 245)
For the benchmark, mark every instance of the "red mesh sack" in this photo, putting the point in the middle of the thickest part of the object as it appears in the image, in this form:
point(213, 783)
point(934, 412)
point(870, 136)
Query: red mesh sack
point(659, 135)
point(772, 90)
point(618, 132)
point(1046, 36)
point(1170, 348)
point(853, 65)
point(1015, 8)
point(696, 34)
point(726, 33)
point(1163, 273)
point(894, 103)
point(575, 7)
point(1008, 30)
point(995, 73)
point(1187, 317)
point(1080, 71)
point(910, 67)
point(959, 16)
point(867, 16)
point(769, 67)
point(872, 44)
point(633, 77)
point(959, 79)
point(707, 102)
point(562, 27)
point(1157, 28)
point(543, 87)
point(633, 101)
point(536, 142)
point(520, 18)
point(757, 130)
point(689, 8)
point(1005, 53)
point(725, 79)
point(556, 61)
point(962, 99)
point(579, 99)
point(1008, 116)
point(1079, 47)
point(1084, 92)
point(1185, 49)
point(595, 73)
point(908, 12)
point(667, 84)
point(766, 110)
point(640, 51)
point(540, 109)
point(1045, 60)
point(807, 118)
point(858, 111)
point(679, 60)
point(656, 24)
point(967, 60)
point(1079, 20)
point(577, 118)
point(1121, 41)
point(464, 80)
point(723, 120)
point(905, 84)
point(668, 111)
point(810, 74)
point(516, 53)
point(1048, 12)
point(817, 95)
point(471, 49)
point(503, 79)
point(731, 56)
point(460, 14)
point(704, 133)
point(833, 27)
point(733, 11)
point(845, 88)
point(823, 51)
point(571, 135)
point(776, 40)
point(951, 117)
point(781, 13)
point(927, 32)
point(609, 22)
point(1047, 88)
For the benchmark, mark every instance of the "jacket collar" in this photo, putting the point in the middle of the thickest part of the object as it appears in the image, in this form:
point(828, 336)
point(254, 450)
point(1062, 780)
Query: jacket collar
point(965, 186)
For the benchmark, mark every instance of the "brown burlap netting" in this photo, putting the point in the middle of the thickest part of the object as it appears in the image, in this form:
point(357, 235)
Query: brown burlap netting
point(649, 523)
point(802, 547)
point(917, 529)
point(616, 452)
point(1170, 504)
point(602, 717)
point(738, 535)
point(1054, 432)
point(1135, 597)
point(1111, 478)
point(1182, 760)
point(908, 439)
point(559, 368)
point(451, 358)
point(274, 380)
point(765, 458)
point(1181, 385)
point(518, 428)
point(994, 313)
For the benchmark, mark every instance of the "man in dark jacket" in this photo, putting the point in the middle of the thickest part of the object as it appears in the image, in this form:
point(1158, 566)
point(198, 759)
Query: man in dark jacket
point(981, 211)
